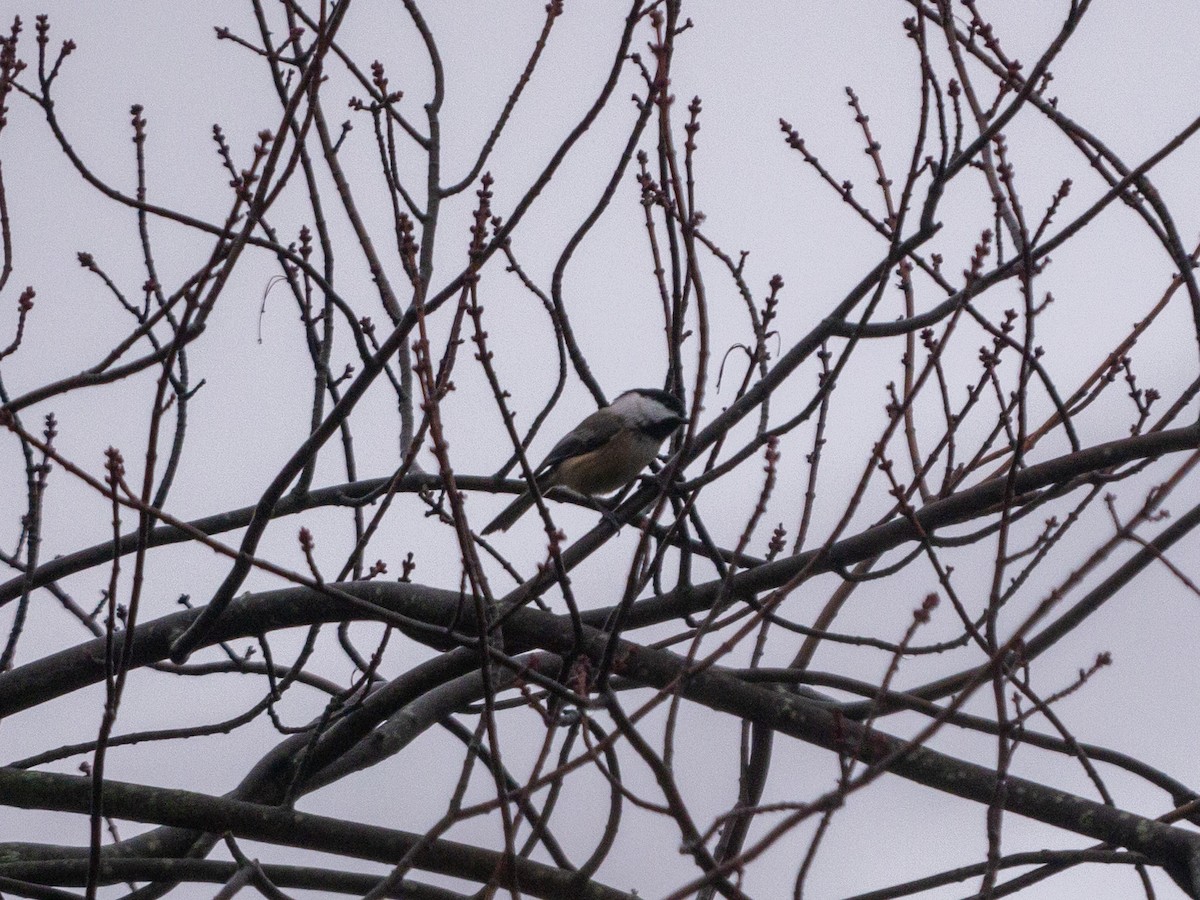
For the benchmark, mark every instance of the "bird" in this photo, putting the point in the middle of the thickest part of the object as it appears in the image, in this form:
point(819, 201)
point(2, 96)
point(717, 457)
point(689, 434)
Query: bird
point(605, 451)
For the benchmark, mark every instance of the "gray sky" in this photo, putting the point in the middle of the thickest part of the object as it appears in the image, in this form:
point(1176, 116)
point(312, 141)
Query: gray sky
point(1128, 75)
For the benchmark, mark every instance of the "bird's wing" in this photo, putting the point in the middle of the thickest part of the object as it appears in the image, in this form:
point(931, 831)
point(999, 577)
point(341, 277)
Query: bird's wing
point(592, 432)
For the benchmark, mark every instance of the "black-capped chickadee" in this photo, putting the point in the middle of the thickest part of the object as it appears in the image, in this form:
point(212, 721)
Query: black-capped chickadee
point(605, 451)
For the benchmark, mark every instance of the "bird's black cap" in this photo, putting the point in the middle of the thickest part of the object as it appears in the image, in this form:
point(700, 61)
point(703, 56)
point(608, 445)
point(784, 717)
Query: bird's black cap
point(669, 400)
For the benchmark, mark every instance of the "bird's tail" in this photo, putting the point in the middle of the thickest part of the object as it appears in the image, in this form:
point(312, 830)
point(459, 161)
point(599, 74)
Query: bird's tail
point(510, 514)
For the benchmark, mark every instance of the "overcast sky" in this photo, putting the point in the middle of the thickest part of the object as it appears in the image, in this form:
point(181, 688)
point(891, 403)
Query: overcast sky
point(1129, 75)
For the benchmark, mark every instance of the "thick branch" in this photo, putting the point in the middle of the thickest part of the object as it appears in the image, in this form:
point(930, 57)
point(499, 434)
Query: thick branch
point(187, 809)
